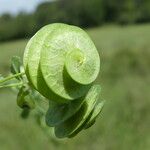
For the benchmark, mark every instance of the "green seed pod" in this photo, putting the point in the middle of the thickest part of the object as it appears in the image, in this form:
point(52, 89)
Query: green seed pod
point(61, 62)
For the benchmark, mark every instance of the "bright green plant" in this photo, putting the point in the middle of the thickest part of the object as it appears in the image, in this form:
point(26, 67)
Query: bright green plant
point(60, 65)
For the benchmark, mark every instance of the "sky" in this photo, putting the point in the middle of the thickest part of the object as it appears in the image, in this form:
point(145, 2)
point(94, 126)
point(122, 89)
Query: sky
point(15, 6)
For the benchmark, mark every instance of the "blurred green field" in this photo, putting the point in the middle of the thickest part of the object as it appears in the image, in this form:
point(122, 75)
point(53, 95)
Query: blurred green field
point(125, 80)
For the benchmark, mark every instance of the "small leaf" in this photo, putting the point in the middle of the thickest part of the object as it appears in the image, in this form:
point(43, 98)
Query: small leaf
point(15, 66)
point(25, 99)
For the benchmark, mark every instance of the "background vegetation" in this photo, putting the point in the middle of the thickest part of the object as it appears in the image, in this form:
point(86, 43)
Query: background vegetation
point(124, 77)
point(83, 13)
point(124, 46)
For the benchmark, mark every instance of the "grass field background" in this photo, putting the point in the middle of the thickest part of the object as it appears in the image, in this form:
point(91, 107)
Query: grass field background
point(125, 80)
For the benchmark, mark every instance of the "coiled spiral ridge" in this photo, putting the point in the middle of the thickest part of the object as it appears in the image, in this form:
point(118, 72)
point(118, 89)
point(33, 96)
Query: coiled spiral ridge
point(61, 63)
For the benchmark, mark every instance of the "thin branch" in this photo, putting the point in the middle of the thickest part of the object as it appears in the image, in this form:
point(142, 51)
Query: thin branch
point(11, 85)
point(11, 77)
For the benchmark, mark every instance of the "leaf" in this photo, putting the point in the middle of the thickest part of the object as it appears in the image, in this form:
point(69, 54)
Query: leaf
point(25, 99)
point(15, 66)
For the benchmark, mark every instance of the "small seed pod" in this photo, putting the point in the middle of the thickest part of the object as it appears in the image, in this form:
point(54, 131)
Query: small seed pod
point(61, 63)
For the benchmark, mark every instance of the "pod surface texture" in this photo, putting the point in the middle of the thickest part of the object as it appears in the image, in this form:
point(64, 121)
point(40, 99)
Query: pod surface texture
point(61, 62)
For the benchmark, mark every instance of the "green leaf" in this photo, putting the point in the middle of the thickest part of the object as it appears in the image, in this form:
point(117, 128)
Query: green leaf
point(15, 66)
point(25, 99)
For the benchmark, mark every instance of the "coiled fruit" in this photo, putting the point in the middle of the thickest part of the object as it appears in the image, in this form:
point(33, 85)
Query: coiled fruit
point(61, 63)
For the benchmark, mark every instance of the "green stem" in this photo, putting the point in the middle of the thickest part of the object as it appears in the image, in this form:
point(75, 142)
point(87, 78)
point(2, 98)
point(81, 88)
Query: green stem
point(11, 85)
point(11, 77)
point(40, 109)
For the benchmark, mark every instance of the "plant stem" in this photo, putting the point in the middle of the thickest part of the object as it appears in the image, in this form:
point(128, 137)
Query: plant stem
point(40, 109)
point(11, 77)
point(11, 85)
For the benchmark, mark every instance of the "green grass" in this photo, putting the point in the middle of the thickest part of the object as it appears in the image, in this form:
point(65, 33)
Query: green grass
point(124, 122)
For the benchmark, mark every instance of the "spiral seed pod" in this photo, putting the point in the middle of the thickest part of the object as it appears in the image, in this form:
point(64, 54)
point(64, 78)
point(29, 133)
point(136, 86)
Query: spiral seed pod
point(61, 62)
